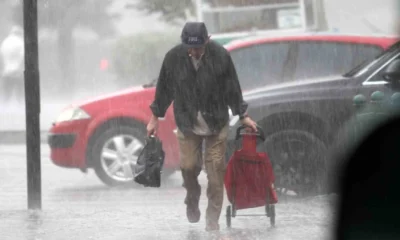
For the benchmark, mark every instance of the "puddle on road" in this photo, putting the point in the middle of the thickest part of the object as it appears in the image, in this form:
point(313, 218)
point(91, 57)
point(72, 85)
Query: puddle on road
point(156, 220)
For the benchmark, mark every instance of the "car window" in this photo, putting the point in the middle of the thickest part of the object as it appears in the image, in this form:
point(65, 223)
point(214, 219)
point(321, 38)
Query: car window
point(320, 59)
point(364, 52)
point(378, 77)
point(376, 61)
point(260, 65)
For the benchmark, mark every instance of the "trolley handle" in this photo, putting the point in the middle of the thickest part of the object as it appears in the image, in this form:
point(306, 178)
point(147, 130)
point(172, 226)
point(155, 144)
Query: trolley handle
point(260, 132)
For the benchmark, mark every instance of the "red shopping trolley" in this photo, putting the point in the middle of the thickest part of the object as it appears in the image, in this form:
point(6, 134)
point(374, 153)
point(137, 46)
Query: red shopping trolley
point(249, 178)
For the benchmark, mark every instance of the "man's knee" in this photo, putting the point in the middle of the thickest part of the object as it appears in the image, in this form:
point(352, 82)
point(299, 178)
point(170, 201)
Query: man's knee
point(189, 151)
point(215, 156)
point(188, 165)
point(216, 145)
point(189, 158)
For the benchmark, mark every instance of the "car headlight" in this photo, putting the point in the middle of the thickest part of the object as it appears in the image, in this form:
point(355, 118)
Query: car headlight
point(72, 114)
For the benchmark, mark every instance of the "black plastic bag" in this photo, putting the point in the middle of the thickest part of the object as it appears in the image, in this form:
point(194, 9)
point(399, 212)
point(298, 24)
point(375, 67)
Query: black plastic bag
point(147, 171)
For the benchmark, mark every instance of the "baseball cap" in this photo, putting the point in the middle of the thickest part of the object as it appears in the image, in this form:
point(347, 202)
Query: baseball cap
point(194, 34)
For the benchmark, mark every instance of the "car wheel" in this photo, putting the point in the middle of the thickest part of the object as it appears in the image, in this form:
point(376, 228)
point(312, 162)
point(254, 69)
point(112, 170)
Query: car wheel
point(115, 151)
point(299, 162)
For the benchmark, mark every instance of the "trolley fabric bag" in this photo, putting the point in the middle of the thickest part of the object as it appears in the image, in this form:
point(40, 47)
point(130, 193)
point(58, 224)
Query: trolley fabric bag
point(249, 175)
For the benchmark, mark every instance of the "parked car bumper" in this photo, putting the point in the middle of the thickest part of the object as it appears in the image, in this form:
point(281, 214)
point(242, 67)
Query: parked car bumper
point(67, 142)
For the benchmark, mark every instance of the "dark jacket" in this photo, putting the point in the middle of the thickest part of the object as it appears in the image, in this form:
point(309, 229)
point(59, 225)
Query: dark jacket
point(210, 90)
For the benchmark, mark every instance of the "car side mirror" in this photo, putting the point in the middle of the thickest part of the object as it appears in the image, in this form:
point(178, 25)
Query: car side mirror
point(392, 72)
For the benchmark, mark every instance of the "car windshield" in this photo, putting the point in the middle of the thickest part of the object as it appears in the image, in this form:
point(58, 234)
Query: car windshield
point(366, 65)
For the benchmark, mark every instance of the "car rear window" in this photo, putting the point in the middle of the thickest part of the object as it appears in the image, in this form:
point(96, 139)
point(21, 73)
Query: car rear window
point(320, 59)
point(260, 65)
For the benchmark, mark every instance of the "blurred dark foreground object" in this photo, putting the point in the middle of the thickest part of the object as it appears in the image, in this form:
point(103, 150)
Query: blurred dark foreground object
point(368, 187)
point(150, 163)
point(369, 115)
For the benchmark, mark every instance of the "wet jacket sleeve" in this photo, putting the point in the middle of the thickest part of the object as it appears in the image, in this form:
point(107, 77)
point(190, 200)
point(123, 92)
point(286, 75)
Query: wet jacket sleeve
point(233, 94)
point(164, 92)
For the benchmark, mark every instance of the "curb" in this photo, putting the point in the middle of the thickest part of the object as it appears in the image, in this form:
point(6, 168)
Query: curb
point(18, 137)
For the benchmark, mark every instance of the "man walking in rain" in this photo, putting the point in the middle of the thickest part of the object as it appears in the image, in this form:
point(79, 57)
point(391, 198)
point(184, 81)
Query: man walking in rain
point(199, 76)
point(12, 53)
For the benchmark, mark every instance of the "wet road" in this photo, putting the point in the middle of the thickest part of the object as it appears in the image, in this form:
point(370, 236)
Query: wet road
point(78, 206)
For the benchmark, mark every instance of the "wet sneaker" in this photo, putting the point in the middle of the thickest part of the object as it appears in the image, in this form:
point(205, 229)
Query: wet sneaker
point(192, 211)
point(193, 214)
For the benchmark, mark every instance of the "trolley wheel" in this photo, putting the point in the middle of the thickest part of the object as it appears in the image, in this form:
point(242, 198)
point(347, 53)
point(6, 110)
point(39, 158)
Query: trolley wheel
point(228, 216)
point(233, 211)
point(272, 215)
point(267, 210)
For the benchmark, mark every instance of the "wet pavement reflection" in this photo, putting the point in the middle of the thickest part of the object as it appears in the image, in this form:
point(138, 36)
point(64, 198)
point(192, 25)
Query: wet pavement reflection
point(78, 206)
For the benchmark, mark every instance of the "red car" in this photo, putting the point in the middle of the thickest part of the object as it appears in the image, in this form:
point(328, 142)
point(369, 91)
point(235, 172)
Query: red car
point(107, 133)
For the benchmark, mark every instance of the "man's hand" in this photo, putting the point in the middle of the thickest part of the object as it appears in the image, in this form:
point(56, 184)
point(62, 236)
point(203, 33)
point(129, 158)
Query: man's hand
point(152, 126)
point(247, 121)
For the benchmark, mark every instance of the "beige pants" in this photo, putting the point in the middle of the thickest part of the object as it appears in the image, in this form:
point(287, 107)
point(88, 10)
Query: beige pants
point(214, 160)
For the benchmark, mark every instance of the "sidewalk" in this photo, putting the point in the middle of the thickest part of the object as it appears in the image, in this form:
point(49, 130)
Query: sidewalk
point(78, 206)
point(18, 137)
point(158, 219)
point(13, 120)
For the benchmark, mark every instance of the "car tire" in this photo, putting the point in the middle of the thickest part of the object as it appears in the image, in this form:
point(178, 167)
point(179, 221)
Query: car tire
point(299, 161)
point(106, 140)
